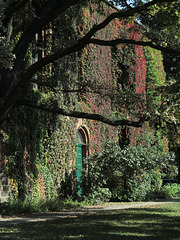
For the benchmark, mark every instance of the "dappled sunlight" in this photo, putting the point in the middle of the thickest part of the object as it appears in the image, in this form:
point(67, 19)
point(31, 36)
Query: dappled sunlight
point(157, 222)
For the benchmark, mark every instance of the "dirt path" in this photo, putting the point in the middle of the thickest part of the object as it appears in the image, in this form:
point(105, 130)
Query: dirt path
point(42, 217)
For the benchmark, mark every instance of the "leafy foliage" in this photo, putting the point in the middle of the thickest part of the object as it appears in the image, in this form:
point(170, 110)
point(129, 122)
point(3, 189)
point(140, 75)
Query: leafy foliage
point(164, 22)
point(171, 190)
point(39, 147)
point(37, 16)
point(130, 173)
point(28, 206)
point(37, 166)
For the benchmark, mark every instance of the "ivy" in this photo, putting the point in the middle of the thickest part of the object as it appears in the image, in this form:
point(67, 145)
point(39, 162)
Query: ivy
point(40, 147)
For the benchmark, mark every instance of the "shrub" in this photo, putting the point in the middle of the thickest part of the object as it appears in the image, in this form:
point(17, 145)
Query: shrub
point(130, 174)
point(18, 207)
point(98, 196)
point(171, 190)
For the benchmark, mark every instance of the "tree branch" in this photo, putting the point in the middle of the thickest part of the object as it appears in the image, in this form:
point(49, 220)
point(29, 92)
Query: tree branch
point(15, 7)
point(48, 13)
point(84, 115)
point(8, 90)
point(133, 42)
point(11, 91)
point(87, 39)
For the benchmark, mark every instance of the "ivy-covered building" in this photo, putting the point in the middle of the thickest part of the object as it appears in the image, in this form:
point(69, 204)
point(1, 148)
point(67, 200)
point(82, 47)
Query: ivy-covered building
point(42, 152)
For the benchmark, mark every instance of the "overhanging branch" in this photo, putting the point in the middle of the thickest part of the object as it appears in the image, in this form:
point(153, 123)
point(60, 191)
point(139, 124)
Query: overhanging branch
point(133, 42)
point(15, 6)
point(81, 43)
point(11, 94)
point(78, 114)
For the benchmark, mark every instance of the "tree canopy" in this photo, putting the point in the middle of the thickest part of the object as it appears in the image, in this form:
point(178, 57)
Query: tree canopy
point(160, 19)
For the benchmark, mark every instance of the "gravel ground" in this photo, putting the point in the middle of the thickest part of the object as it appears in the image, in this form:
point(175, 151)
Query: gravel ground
point(73, 213)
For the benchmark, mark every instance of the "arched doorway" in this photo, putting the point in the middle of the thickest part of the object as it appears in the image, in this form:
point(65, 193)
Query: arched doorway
point(82, 141)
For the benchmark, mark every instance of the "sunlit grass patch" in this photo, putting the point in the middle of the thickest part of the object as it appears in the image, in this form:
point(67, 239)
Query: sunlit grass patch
point(152, 223)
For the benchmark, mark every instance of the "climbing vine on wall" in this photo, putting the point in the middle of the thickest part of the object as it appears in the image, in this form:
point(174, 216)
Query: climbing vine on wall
point(40, 147)
point(116, 76)
point(155, 76)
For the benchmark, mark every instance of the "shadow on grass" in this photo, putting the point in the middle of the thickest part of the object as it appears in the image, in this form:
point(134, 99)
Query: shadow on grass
point(146, 223)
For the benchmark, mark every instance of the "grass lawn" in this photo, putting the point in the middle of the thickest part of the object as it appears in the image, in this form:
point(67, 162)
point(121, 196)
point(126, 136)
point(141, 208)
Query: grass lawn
point(160, 222)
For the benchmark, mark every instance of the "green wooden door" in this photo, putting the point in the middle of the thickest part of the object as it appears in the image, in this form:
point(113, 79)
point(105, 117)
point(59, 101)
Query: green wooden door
point(79, 166)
